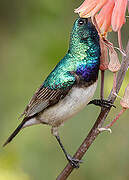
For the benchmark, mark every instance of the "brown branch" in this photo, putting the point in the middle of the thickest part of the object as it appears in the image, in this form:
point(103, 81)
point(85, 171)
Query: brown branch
point(100, 120)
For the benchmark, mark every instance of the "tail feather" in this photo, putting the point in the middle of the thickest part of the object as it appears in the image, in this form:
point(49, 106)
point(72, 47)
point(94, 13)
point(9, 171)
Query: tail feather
point(15, 132)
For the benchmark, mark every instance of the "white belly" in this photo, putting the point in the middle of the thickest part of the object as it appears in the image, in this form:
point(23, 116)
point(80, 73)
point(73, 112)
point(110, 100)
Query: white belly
point(76, 100)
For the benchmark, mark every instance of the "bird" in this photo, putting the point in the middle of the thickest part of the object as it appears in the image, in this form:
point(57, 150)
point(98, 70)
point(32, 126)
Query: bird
point(69, 87)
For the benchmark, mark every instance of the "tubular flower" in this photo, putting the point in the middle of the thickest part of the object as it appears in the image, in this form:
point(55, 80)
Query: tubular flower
point(90, 7)
point(110, 12)
point(105, 16)
point(118, 14)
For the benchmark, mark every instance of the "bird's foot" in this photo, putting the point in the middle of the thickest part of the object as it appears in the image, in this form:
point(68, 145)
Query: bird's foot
point(73, 161)
point(102, 103)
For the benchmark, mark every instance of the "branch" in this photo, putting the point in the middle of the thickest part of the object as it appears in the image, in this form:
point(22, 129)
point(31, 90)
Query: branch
point(100, 120)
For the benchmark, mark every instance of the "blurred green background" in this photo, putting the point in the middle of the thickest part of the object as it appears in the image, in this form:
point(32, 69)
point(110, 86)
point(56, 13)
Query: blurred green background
point(34, 36)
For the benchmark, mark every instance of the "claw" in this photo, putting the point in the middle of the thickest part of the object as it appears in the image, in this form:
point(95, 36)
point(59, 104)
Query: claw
point(104, 129)
point(73, 161)
point(107, 104)
point(102, 103)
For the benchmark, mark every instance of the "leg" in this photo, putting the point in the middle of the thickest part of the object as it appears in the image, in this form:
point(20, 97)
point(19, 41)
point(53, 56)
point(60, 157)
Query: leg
point(74, 162)
point(102, 103)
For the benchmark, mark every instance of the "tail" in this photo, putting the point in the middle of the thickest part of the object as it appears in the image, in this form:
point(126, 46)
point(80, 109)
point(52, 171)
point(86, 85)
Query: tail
point(15, 132)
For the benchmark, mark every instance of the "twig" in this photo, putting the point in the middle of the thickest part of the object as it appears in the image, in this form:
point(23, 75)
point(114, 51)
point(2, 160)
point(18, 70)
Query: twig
point(116, 118)
point(94, 132)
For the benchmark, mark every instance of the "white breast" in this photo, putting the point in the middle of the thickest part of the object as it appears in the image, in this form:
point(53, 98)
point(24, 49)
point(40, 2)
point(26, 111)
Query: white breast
point(76, 100)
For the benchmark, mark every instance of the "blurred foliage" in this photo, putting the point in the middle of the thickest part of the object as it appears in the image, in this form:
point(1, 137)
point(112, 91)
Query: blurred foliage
point(34, 36)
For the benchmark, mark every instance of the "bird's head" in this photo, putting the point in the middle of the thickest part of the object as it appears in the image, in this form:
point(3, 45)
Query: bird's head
point(84, 28)
point(83, 34)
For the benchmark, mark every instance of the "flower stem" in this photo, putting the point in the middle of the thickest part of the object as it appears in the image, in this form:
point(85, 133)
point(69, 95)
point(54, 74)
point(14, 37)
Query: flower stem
point(119, 40)
point(114, 82)
point(102, 85)
point(116, 118)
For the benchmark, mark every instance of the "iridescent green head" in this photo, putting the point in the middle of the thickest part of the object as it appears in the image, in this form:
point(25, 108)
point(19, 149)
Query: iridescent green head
point(83, 35)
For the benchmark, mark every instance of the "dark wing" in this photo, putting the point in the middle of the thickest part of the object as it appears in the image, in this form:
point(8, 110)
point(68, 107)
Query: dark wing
point(44, 98)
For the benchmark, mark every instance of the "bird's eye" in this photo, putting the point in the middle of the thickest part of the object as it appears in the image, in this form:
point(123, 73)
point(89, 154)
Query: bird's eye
point(81, 22)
